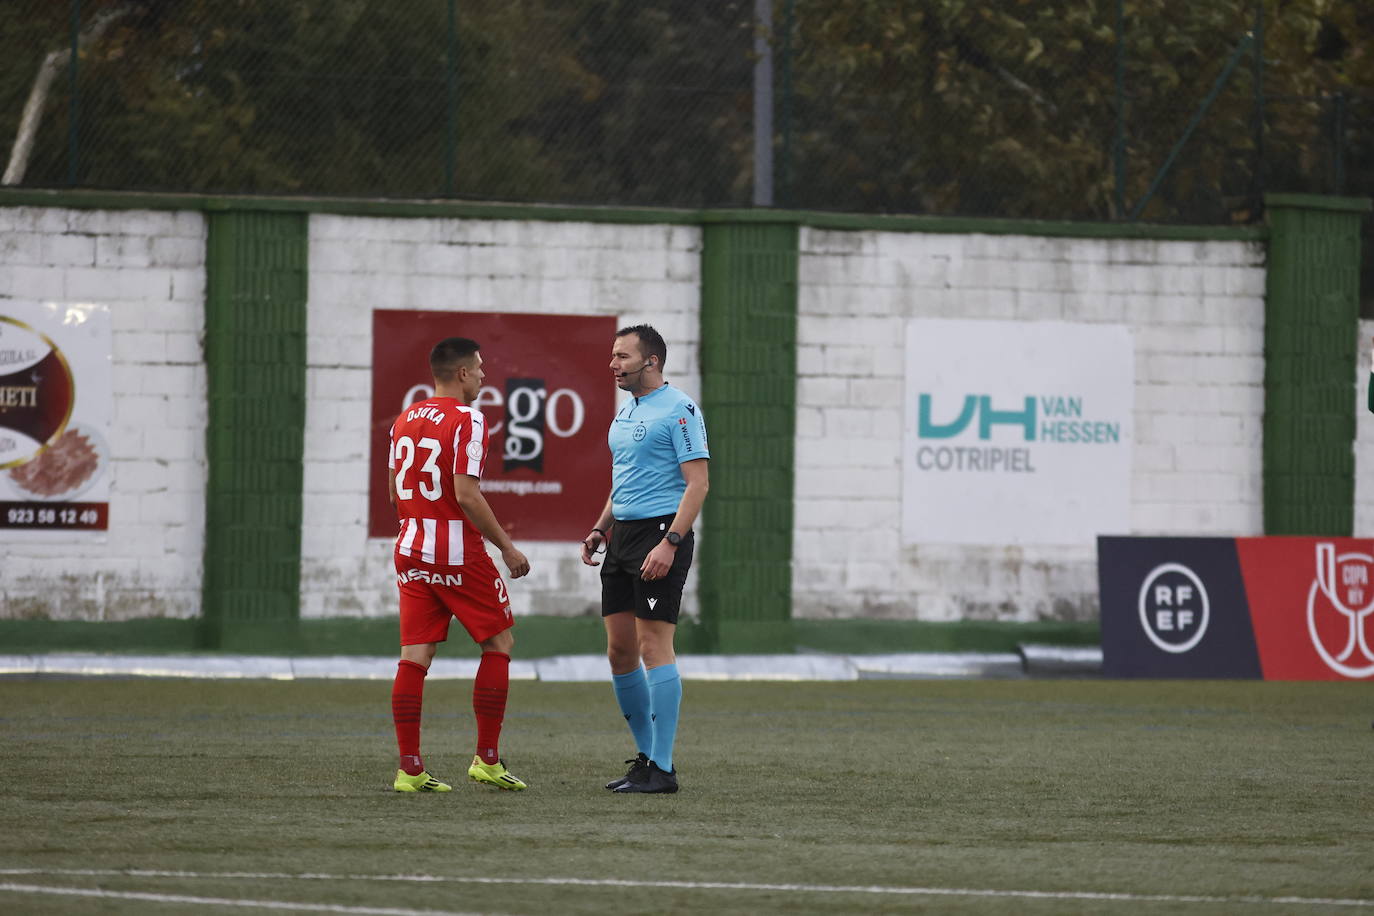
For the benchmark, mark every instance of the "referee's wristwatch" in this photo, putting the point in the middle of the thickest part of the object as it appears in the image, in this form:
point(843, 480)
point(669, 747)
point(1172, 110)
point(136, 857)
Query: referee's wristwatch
point(672, 537)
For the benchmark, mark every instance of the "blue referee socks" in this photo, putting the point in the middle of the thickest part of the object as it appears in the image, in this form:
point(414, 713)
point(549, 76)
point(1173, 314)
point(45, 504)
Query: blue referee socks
point(665, 696)
point(632, 692)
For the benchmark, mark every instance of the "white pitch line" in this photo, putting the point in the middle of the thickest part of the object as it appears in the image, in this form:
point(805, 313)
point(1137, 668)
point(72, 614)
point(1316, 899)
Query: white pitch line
point(1106, 896)
point(224, 901)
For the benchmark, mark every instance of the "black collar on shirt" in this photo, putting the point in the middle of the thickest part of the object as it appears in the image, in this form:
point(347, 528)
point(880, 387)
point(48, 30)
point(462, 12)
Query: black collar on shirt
point(652, 393)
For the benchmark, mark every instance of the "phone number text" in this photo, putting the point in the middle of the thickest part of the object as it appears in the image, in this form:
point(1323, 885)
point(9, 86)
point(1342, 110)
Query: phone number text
point(73, 516)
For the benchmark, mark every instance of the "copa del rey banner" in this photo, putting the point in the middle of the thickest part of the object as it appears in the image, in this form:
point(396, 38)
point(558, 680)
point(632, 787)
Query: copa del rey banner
point(548, 397)
point(1280, 608)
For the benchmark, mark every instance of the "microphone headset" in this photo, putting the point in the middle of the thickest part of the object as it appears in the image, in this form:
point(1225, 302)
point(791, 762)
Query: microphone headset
point(647, 363)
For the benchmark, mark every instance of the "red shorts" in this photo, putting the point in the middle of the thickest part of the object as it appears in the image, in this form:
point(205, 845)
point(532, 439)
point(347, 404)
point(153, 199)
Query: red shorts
point(431, 596)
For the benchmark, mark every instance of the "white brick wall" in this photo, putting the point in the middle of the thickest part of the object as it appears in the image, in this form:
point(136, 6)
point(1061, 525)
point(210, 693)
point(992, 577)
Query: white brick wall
point(148, 268)
point(635, 273)
point(1364, 439)
point(1197, 311)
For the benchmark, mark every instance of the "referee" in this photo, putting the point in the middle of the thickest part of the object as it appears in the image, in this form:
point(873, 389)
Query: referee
point(659, 479)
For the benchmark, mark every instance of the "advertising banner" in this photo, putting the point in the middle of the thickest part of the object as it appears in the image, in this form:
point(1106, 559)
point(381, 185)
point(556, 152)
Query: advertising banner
point(1174, 607)
point(548, 397)
point(1016, 432)
point(55, 407)
point(1312, 605)
point(1281, 608)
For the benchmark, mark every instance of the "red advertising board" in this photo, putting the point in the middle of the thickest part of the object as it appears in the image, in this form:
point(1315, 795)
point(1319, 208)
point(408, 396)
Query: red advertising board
point(1310, 602)
point(1280, 608)
point(548, 397)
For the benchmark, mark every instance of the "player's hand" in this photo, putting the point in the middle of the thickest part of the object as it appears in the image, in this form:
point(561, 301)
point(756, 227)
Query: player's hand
point(515, 561)
point(658, 562)
point(593, 544)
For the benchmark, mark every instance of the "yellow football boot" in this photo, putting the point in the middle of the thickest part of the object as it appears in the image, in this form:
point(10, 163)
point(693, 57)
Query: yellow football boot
point(494, 774)
point(422, 782)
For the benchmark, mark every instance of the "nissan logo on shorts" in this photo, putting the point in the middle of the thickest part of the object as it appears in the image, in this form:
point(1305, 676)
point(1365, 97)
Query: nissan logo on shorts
point(1174, 608)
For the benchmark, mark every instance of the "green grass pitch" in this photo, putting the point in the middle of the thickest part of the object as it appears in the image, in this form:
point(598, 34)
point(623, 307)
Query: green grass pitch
point(1073, 796)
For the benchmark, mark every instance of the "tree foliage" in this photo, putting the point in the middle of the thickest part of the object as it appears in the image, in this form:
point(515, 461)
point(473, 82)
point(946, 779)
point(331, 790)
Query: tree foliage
point(308, 96)
point(970, 107)
point(1008, 107)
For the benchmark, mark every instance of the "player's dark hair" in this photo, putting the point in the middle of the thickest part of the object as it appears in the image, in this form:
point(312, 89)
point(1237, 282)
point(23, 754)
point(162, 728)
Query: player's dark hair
point(449, 354)
point(650, 342)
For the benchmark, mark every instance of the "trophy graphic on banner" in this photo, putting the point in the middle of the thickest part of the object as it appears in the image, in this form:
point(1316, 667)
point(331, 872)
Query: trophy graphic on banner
point(1351, 596)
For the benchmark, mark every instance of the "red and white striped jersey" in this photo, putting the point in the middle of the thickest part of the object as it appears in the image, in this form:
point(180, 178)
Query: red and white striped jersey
point(431, 441)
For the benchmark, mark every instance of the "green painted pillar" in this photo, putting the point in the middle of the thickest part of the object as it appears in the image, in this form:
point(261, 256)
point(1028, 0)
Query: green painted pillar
point(749, 394)
point(1311, 344)
point(255, 322)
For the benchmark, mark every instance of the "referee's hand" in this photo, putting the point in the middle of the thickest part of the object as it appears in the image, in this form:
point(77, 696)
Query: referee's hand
point(593, 544)
point(658, 562)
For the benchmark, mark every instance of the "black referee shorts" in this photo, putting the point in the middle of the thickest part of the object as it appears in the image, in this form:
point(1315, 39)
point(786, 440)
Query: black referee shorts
point(621, 587)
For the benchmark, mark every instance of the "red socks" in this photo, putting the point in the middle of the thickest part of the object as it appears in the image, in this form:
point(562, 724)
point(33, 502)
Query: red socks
point(489, 703)
point(407, 696)
point(489, 692)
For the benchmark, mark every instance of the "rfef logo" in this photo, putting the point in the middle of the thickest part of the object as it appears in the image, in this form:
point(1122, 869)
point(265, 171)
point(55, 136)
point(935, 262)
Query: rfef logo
point(1174, 608)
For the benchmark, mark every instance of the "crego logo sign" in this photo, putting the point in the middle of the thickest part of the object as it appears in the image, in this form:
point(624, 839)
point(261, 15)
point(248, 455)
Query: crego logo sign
point(531, 411)
point(1174, 607)
point(1339, 605)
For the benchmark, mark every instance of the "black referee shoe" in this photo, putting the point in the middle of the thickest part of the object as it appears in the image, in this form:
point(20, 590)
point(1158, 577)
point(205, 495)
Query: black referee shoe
point(637, 765)
point(652, 780)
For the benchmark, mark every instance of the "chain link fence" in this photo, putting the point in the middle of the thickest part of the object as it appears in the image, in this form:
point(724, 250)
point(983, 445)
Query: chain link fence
point(1062, 109)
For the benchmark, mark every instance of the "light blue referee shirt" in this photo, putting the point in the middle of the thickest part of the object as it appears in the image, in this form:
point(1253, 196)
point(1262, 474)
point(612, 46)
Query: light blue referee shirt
point(650, 436)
